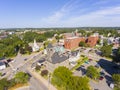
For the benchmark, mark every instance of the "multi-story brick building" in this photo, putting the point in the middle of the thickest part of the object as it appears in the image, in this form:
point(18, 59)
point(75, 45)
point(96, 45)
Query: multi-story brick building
point(92, 41)
point(73, 42)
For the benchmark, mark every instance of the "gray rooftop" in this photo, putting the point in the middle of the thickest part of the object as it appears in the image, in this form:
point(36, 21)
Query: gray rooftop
point(56, 58)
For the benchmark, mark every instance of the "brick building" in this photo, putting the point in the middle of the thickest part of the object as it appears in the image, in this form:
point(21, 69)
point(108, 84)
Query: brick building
point(73, 42)
point(92, 41)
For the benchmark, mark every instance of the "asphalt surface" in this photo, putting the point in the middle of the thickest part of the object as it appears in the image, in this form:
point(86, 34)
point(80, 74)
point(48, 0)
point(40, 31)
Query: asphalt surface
point(19, 64)
point(36, 84)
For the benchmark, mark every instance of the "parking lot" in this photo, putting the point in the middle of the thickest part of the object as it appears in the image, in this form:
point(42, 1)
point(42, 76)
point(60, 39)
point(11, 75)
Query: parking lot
point(101, 84)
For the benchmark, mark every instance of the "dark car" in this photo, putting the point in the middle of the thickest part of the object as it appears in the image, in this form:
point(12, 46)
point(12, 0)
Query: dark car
point(90, 60)
point(101, 78)
point(102, 73)
point(25, 59)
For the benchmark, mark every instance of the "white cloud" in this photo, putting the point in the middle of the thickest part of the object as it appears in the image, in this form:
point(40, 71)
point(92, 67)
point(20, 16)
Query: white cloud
point(108, 16)
point(58, 15)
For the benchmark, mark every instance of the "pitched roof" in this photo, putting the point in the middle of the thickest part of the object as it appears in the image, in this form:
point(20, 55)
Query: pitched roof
point(56, 58)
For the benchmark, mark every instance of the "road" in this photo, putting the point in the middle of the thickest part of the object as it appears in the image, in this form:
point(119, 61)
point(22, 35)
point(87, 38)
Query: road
point(21, 65)
point(36, 84)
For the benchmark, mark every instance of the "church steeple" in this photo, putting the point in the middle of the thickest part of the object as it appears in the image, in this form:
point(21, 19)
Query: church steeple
point(35, 46)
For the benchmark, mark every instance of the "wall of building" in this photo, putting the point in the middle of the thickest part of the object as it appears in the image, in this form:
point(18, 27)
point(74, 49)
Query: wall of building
point(73, 42)
point(92, 41)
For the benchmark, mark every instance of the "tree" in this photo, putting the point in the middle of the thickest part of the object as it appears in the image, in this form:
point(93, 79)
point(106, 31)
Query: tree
point(37, 68)
point(82, 44)
point(116, 79)
point(44, 72)
point(106, 50)
point(4, 84)
point(61, 76)
point(92, 72)
point(116, 57)
point(78, 83)
point(57, 37)
point(21, 77)
point(22, 51)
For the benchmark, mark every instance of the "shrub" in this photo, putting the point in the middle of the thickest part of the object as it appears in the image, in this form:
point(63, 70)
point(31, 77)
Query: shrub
point(44, 72)
point(37, 68)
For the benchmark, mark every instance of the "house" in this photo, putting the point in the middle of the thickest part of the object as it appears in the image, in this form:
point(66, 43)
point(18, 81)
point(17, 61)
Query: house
point(2, 65)
point(55, 57)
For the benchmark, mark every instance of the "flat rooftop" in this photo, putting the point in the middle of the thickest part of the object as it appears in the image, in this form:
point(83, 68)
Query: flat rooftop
point(72, 37)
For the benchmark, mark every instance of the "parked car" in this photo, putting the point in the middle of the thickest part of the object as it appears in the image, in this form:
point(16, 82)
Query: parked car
point(97, 65)
point(25, 59)
point(90, 60)
point(101, 78)
point(73, 63)
point(41, 62)
point(102, 73)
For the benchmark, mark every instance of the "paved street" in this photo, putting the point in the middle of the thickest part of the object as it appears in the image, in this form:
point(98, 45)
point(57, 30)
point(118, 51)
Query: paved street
point(22, 65)
point(36, 84)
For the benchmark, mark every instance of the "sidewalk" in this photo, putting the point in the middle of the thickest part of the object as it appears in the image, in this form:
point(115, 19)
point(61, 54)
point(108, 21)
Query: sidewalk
point(44, 81)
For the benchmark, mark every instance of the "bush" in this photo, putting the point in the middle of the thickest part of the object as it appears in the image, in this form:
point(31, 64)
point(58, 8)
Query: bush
point(116, 79)
point(44, 72)
point(37, 68)
point(21, 77)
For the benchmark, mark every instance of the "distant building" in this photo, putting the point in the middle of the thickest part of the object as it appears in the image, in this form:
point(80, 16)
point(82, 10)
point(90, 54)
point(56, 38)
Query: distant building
point(2, 65)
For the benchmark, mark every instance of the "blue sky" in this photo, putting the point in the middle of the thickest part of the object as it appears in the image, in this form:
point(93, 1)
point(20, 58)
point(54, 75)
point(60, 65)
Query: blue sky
point(59, 13)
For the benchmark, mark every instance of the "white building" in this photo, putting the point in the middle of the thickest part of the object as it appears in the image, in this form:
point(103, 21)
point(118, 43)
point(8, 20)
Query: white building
point(35, 46)
point(2, 65)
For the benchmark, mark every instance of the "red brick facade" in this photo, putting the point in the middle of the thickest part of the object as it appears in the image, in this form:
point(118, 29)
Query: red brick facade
point(73, 42)
point(92, 41)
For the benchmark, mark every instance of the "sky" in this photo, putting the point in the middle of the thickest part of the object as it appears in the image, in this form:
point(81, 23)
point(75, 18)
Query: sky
point(59, 13)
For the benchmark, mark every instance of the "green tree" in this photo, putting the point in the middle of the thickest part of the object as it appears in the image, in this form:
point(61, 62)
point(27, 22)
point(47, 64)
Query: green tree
point(92, 72)
point(106, 50)
point(116, 79)
point(78, 83)
point(116, 57)
point(61, 76)
point(21, 77)
point(82, 44)
point(4, 84)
